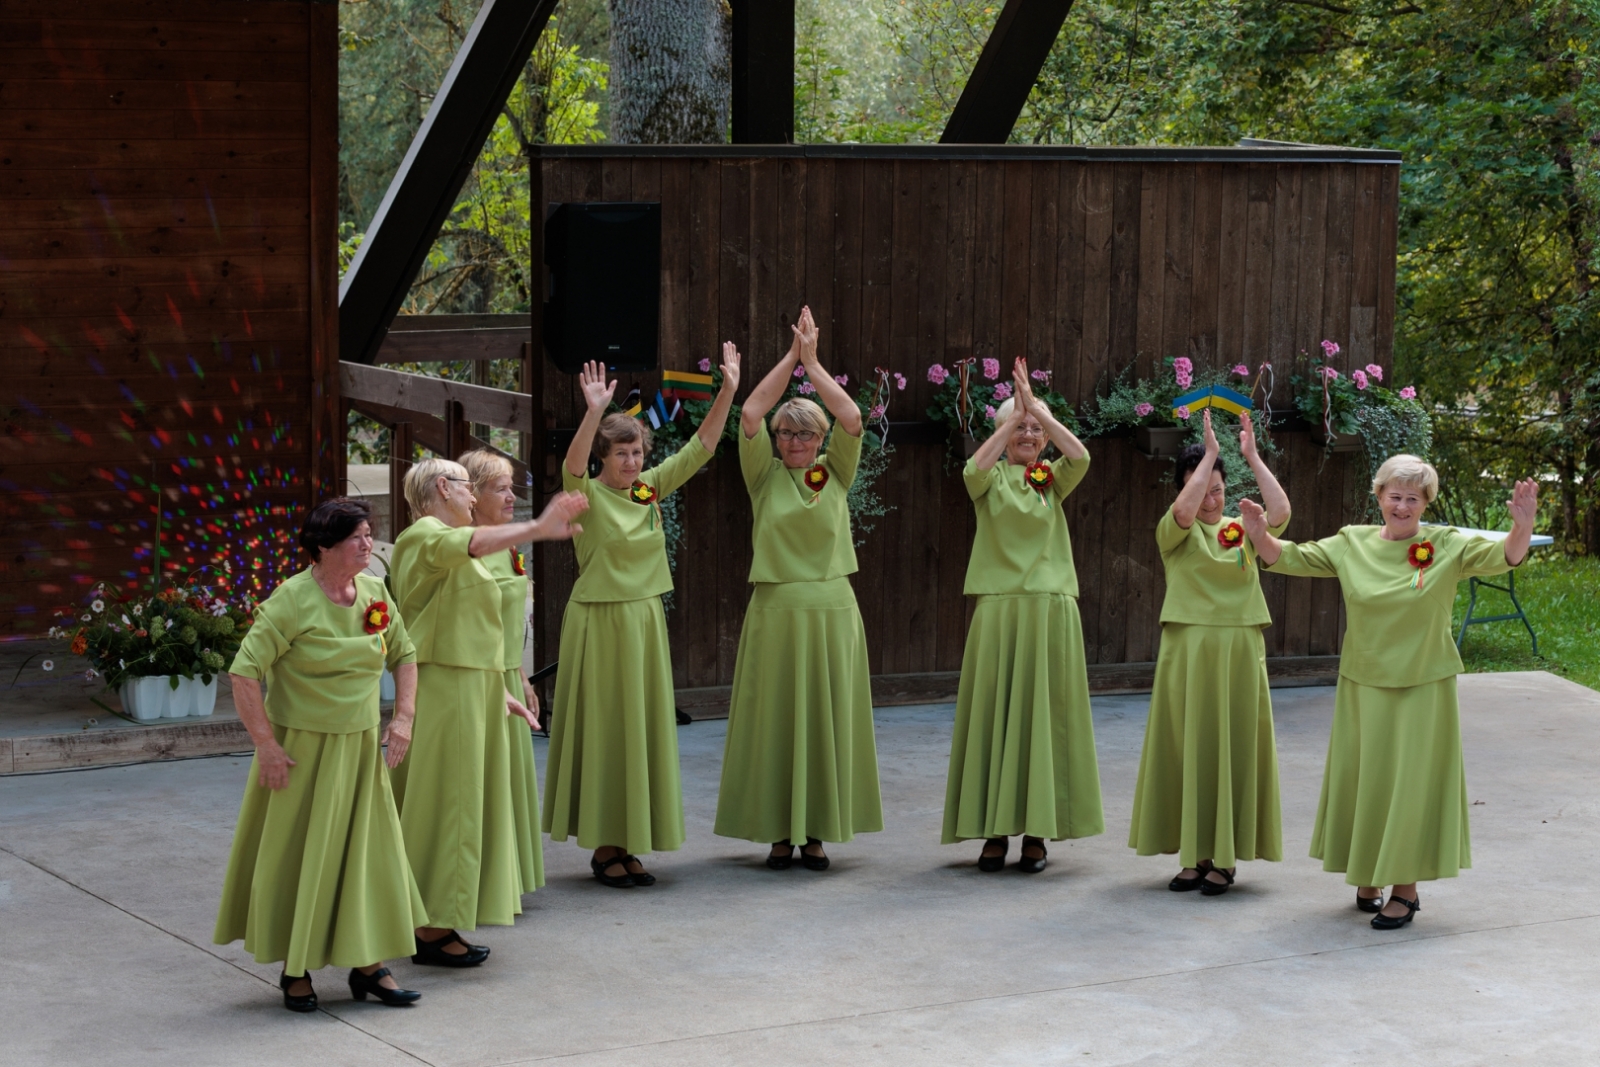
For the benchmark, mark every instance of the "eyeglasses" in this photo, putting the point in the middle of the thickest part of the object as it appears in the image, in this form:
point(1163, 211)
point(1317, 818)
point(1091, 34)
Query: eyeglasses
point(1024, 431)
point(453, 478)
point(805, 437)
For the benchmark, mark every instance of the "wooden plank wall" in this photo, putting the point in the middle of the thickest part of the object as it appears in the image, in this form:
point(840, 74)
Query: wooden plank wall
point(1084, 267)
point(168, 290)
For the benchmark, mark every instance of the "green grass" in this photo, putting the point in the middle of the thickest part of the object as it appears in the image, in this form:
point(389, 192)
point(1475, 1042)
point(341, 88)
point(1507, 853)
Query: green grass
point(1562, 598)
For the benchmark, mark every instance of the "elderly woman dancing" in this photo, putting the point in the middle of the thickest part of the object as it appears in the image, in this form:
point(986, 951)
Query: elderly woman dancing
point(318, 871)
point(1208, 778)
point(496, 505)
point(800, 762)
point(1394, 797)
point(612, 774)
point(1022, 758)
point(457, 801)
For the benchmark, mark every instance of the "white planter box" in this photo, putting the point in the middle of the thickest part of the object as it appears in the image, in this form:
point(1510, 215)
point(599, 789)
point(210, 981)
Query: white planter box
point(149, 699)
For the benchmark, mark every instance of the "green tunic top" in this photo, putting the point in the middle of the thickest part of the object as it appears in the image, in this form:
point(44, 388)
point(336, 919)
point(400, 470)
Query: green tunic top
point(1397, 636)
point(1206, 585)
point(513, 605)
point(798, 534)
point(321, 666)
point(1022, 544)
point(449, 599)
point(622, 551)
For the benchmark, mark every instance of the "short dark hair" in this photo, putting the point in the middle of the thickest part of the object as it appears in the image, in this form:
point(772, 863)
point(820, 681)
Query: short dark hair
point(331, 522)
point(1189, 460)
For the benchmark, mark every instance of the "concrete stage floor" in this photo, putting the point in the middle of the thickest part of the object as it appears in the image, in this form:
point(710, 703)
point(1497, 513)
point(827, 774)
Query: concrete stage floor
point(901, 954)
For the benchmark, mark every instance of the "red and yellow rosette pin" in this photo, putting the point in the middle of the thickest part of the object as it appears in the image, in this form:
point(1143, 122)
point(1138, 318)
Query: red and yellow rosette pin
point(1232, 536)
point(375, 620)
point(815, 478)
point(519, 564)
point(1421, 557)
point(640, 493)
point(1039, 477)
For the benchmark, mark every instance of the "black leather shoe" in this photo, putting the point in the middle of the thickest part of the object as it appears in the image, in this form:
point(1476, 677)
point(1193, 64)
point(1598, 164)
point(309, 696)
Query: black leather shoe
point(1381, 921)
point(1209, 888)
point(432, 952)
point(615, 881)
point(1369, 903)
point(781, 861)
point(305, 1003)
point(990, 864)
point(362, 984)
point(1180, 884)
point(641, 877)
point(813, 863)
point(1032, 864)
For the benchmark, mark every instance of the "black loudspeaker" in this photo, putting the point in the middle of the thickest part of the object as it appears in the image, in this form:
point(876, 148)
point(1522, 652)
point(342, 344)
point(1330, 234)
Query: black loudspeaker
point(605, 285)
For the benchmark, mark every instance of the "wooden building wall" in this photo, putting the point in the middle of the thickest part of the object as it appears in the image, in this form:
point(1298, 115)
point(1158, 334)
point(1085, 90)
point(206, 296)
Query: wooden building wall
point(167, 290)
point(1085, 261)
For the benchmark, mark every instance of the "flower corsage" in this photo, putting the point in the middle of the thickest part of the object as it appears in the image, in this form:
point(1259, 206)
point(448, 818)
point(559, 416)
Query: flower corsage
point(1421, 557)
point(519, 564)
point(1232, 536)
point(815, 478)
point(375, 620)
point(640, 493)
point(1039, 477)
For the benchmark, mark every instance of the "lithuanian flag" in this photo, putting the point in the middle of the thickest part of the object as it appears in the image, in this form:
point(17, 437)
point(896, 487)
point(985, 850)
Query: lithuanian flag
point(685, 385)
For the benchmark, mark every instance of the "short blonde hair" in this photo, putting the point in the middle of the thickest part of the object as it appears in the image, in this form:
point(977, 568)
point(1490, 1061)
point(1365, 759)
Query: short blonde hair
point(1003, 412)
point(484, 466)
point(800, 414)
point(1408, 470)
point(422, 482)
point(618, 429)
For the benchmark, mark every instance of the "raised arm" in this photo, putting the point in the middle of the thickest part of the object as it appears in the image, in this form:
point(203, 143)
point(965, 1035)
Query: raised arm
point(1254, 517)
point(555, 524)
point(770, 388)
point(596, 395)
point(711, 428)
point(1065, 440)
point(1524, 508)
point(991, 450)
point(830, 392)
point(1272, 494)
point(1193, 493)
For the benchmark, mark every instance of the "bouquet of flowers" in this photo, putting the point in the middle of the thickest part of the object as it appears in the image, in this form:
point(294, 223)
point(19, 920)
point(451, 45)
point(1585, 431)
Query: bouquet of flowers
point(183, 632)
point(972, 390)
point(1355, 402)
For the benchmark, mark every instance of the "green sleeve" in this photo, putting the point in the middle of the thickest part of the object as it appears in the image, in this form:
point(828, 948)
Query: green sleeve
point(844, 454)
point(575, 483)
point(268, 640)
point(1314, 559)
point(755, 457)
point(1481, 557)
point(1277, 531)
point(401, 650)
point(445, 547)
point(1067, 480)
point(978, 481)
point(679, 467)
point(1169, 535)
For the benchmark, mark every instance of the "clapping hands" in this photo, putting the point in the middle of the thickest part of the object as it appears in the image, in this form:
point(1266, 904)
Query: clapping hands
point(1254, 518)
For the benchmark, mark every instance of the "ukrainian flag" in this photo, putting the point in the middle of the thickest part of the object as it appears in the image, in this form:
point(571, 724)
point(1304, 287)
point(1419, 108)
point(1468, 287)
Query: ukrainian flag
point(1212, 396)
point(686, 385)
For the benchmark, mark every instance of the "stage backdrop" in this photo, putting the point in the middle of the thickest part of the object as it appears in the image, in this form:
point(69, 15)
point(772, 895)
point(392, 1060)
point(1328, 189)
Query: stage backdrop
point(1084, 260)
point(167, 291)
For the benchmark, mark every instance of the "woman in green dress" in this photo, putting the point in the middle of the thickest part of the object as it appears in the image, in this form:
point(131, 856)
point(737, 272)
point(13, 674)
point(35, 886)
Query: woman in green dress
point(1208, 778)
point(611, 777)
point(318, 872)
point(492, 487)
point(1022, 758)
point(800, 762)
point(1393, 810)
point(457, 802)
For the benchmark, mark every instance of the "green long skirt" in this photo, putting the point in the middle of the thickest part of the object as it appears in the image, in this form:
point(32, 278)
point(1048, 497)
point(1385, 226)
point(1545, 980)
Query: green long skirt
point(1208, 778)
point(524, 791)
point(1394, 794)
point(801, 759)
point(318, 872)
point(1022, 759)
point(455, 797)
point(612, 774)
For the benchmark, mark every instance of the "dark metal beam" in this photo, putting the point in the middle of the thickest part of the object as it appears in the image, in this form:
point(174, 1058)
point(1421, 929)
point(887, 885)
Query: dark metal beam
point(436, 166)
point(763, 71)
point(1012, 58)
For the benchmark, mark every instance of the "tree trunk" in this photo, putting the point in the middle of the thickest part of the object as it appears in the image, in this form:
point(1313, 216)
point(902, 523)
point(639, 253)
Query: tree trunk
point(670, 71)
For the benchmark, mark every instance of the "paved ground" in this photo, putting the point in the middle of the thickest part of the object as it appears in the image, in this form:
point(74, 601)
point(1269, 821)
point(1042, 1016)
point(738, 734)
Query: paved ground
point(902, 954)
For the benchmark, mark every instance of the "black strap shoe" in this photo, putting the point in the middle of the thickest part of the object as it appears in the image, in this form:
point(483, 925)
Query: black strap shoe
point(615, 881)
point(641, 877)
point(1381, 921)
point(433, 953)
point(818, 862)
point(990, 864)
point(1373, 904)
point(1208, 888)
point(293, 1003)
point(781, 861)
point(361, 984)
point(1180, 884)
point(1032, 864)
